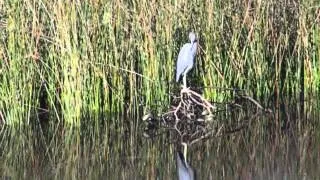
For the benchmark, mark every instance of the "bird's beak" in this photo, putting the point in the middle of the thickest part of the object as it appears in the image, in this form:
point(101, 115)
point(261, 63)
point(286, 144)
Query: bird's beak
point(195, 41)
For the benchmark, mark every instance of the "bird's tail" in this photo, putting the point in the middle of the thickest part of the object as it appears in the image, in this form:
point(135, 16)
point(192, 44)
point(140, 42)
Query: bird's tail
point(177, 77)
point(181, 159)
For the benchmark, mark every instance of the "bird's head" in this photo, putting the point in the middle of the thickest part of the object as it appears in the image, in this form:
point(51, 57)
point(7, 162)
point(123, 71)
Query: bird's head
point(192, 37)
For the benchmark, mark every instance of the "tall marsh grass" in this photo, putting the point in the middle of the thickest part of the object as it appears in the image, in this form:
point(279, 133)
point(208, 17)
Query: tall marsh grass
point(76, 75)
point(96, 58)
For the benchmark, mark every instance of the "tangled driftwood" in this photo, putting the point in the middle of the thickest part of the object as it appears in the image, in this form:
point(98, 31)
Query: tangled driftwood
point(194, 118)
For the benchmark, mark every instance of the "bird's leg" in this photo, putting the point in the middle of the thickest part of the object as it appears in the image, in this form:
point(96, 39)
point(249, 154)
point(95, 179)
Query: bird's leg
point(185, 146)
point(185, 81)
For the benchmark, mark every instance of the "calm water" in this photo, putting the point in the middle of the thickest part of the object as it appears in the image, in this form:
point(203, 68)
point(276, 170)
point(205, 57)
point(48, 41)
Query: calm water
point(121, 152)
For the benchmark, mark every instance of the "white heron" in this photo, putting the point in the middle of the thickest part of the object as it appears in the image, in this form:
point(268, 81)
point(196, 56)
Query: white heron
point(186, 58)
point(185, 171)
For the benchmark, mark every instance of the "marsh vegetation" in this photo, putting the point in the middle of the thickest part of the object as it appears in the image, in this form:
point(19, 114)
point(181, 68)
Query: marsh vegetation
point(76, 78)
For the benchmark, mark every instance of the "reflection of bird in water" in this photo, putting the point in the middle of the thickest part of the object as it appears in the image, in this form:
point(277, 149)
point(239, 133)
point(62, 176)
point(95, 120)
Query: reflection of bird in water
point(185, 58)
point(185, 171)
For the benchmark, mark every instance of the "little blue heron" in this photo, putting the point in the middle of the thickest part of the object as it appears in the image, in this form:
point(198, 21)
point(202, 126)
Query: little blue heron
point(185, 171)
point(186, 57)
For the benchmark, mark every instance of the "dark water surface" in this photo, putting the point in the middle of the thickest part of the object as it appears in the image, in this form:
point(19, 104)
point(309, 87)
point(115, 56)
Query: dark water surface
point(259, 151)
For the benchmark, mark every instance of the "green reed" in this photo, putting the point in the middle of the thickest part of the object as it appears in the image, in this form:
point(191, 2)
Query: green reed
point(96, 58)
point(83, 67)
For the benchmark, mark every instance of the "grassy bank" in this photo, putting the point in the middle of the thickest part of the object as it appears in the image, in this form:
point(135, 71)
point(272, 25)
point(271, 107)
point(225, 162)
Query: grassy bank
point(84, 60)
point(76, 75)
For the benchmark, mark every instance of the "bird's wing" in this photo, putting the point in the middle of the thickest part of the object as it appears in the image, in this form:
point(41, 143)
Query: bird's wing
point(183, 172)
point(191, 172)
point(182, 57)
